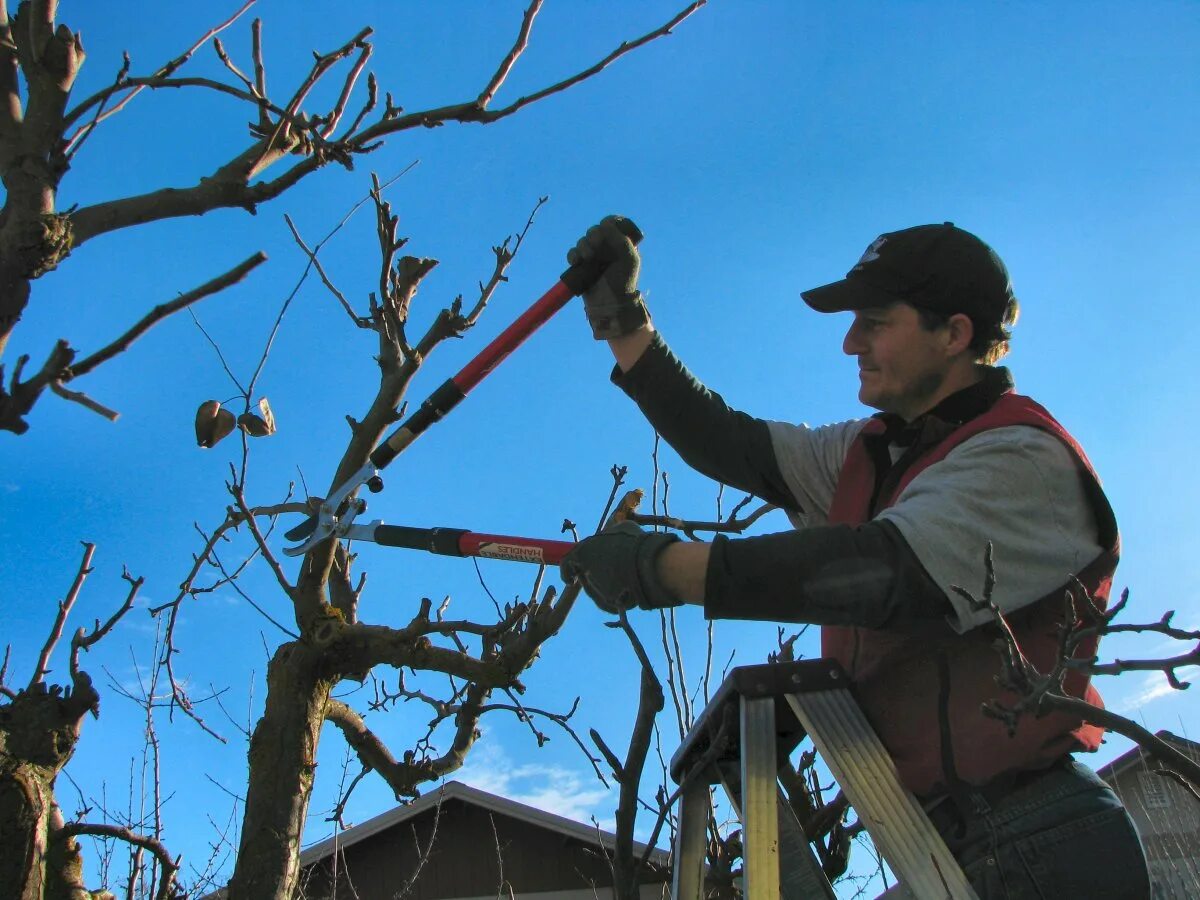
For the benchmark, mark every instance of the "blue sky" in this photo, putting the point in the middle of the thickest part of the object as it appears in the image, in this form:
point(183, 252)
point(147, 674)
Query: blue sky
point(760, 148)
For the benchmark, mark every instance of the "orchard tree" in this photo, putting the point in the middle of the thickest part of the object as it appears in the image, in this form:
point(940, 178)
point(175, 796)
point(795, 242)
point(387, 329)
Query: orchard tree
point(42, 128)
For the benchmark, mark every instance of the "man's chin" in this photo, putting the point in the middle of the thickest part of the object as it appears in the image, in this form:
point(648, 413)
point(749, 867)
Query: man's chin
point(870, 398)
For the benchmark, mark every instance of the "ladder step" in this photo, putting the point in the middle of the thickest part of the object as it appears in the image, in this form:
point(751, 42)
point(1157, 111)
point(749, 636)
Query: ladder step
point(754, 721)
point(863, 769)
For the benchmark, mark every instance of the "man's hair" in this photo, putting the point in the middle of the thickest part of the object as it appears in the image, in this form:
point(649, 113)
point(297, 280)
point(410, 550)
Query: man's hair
point(989, 341)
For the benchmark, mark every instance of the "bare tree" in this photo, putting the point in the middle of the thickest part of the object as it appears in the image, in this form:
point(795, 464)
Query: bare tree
point(328, 644)
point(636, 792)
point(40, 725)
point(41, 132)
point(1084, 622)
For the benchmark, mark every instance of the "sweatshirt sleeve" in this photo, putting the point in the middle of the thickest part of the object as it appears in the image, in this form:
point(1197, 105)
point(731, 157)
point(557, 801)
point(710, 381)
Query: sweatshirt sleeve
point(866, 576)
point(722, 443)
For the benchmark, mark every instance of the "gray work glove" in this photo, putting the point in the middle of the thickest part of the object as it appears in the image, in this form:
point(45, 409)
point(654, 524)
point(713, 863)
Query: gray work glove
point(617, 568)
point(613, 304)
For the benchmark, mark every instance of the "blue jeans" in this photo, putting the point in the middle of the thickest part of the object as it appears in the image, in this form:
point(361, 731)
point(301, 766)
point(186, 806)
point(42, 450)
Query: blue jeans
point(1063, 835)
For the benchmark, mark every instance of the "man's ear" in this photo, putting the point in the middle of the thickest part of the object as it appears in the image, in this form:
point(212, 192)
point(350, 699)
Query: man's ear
point(960, 330)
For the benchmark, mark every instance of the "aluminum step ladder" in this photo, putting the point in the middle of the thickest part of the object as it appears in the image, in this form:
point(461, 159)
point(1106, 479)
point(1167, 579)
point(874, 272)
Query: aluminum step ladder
point(756, 719)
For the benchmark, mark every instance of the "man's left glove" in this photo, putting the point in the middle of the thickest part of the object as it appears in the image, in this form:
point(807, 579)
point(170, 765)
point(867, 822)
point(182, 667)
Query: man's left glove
point(617, 568)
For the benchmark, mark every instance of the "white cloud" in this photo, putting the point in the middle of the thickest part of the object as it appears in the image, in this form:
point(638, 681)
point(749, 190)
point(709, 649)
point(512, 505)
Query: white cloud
point(1154, 686)
point(556, 789)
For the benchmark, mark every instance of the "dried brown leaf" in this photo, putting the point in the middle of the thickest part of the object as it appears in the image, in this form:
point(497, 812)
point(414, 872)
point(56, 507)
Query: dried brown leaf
point(212, 423)
point(258, 425)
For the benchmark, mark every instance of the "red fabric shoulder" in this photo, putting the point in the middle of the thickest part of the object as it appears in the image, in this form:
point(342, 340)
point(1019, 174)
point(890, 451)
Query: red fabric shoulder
point(852, 496)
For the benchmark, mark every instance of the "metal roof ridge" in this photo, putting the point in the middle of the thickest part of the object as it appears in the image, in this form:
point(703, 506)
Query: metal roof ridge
point(452, 790)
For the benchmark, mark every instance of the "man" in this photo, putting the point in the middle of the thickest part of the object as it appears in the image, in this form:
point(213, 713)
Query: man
point(894, 519)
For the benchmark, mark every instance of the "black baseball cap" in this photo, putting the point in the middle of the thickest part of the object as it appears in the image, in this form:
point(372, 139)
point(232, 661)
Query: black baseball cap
point(941, 268)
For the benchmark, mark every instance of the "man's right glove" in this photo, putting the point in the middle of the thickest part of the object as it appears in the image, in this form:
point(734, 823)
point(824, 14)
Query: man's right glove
point(617, 568)
point(613, 304)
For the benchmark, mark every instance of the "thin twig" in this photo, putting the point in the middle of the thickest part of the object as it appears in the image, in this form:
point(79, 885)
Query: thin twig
point(160, 312)
point(220, 356)
point(624, 48)
point(339, 108)
point(1153, 745)
point(4, 689)
point(229, 64)
point(618, 474)
point(42, 669)
point(260, 69)
point(517, 49)
point(81, 137)
point(689, 527)
point(484, 585)
point(231, 580)
point(304, 276)
point(102, 96)
point(84, 641)
point(504, 256)
point(422, 855)
point(235, 489)
point(360, 321)
point(85, 401)
point(173, 65)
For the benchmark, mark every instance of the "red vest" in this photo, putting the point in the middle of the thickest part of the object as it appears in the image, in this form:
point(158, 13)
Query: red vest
point(922, 688)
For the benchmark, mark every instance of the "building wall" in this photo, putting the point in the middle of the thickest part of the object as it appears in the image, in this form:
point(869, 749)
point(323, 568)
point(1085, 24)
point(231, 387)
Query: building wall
point(1168, 819)
point(475, 853)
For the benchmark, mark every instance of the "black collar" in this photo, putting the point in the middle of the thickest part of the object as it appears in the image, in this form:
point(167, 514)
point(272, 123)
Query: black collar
point(930, 428)
point(953, 411)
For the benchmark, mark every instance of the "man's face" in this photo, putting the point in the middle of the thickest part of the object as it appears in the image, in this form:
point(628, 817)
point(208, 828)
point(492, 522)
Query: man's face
point(902, 366)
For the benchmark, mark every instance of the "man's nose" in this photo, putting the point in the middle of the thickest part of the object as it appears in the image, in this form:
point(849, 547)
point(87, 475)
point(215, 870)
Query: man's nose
point(852, 343)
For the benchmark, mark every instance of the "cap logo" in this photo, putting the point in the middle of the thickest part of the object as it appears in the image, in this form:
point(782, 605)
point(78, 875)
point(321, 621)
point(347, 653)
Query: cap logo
point(872, 252)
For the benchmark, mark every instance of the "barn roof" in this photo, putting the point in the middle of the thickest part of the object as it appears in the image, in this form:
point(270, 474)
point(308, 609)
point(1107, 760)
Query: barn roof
point(456, 790)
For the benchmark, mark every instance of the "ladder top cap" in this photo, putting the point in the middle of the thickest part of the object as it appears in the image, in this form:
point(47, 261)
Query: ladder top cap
point(780, 679)
point(758, 682)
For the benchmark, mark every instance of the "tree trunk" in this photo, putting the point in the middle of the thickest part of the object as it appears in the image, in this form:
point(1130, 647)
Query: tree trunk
point(32, 242)
point(283, 755)
point(64, 865)
point(26, 798)
point(38, 733)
